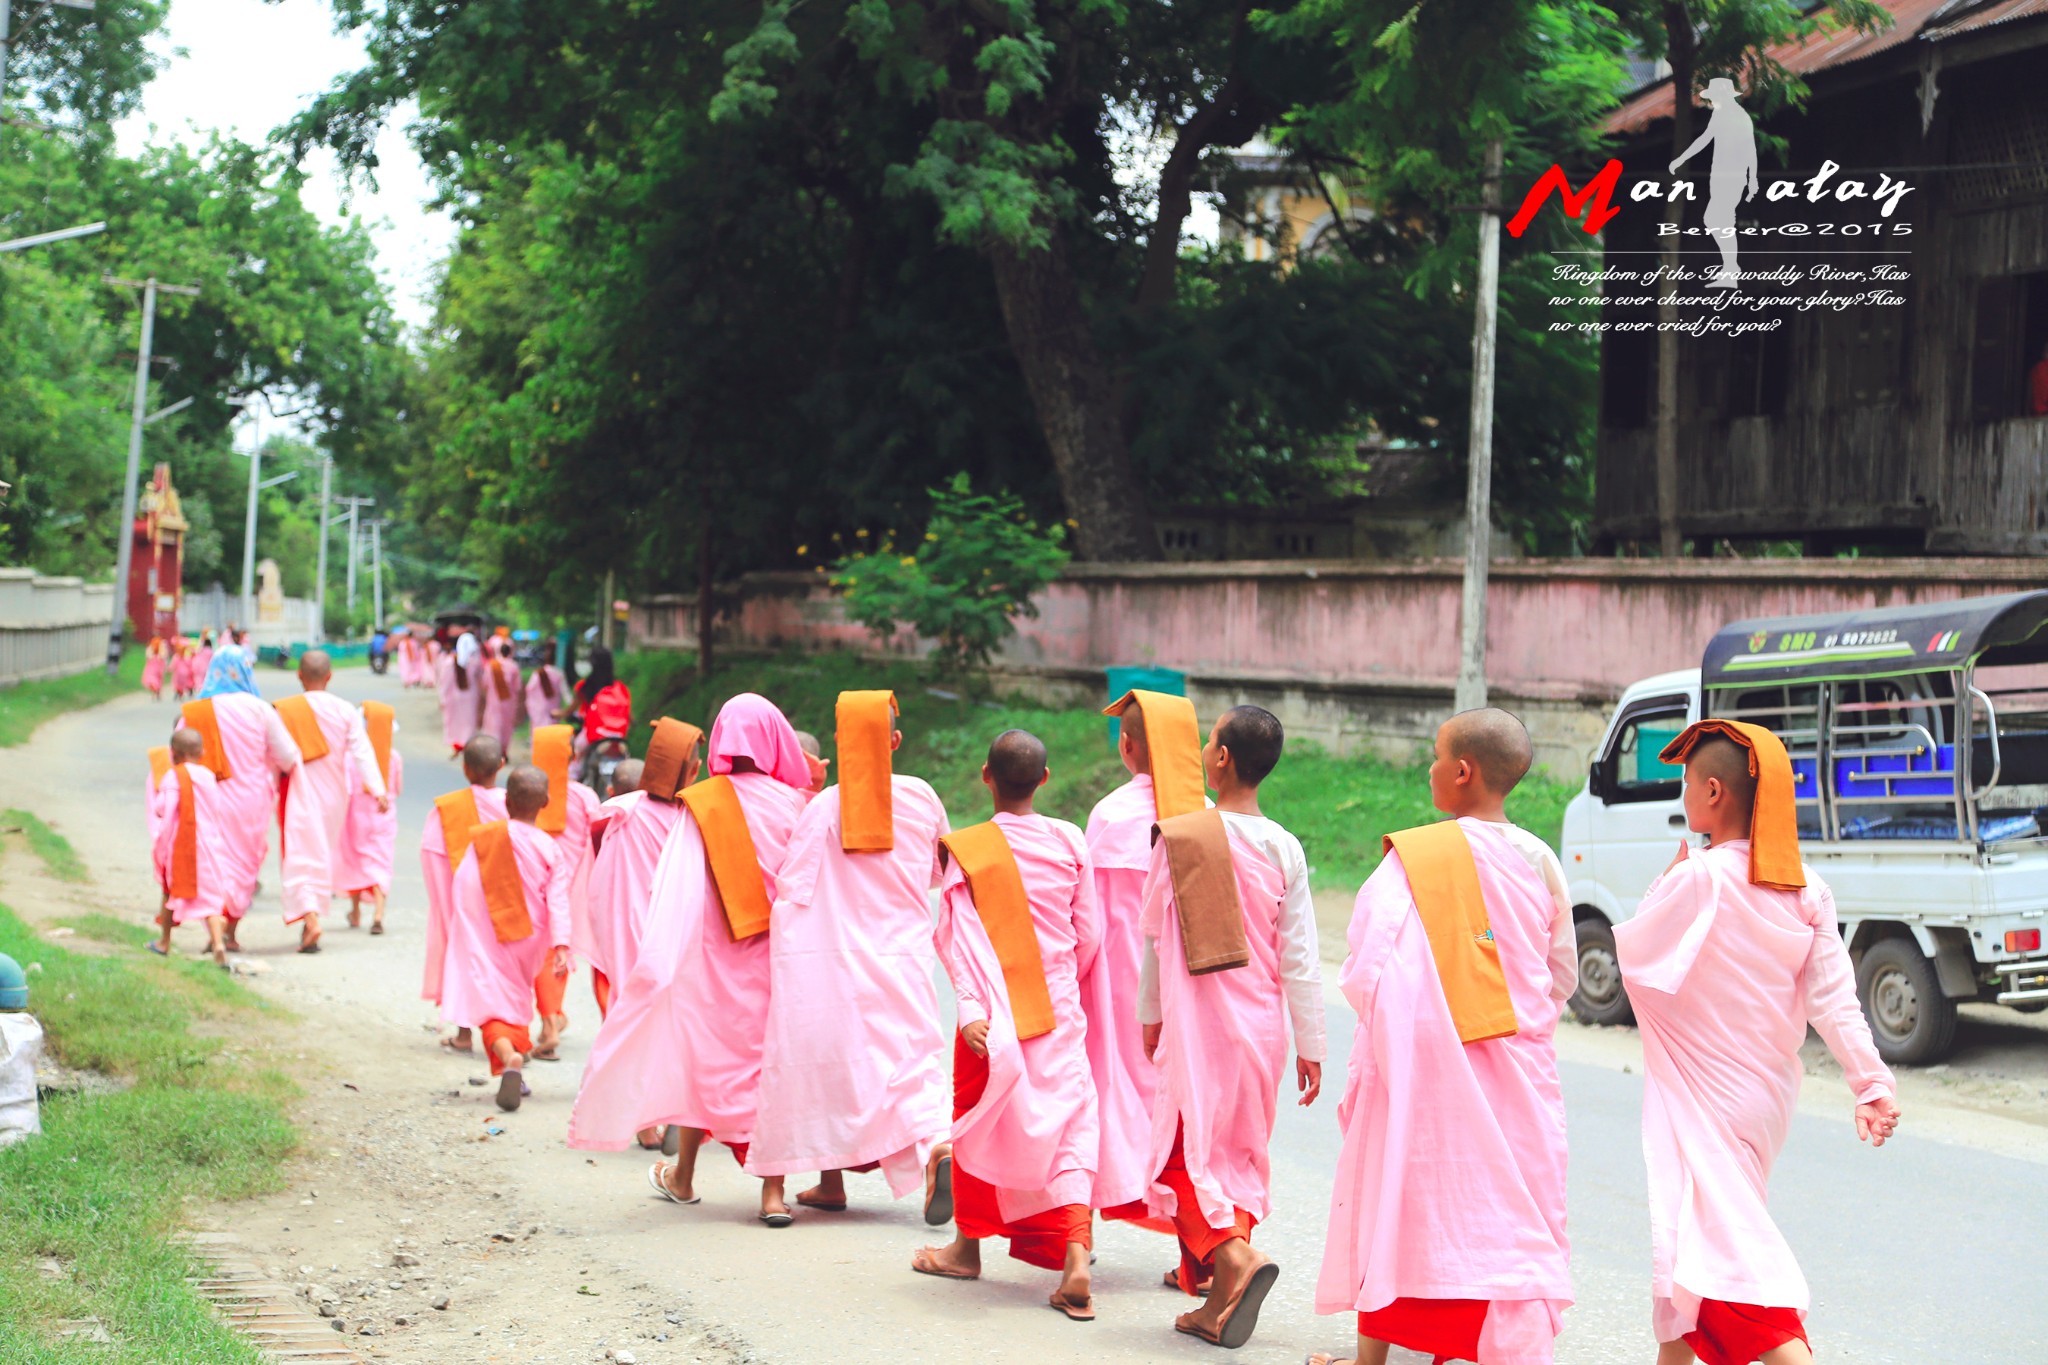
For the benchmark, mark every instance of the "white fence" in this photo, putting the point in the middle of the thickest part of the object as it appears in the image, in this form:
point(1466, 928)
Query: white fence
point(216, 608)
point(51, 627)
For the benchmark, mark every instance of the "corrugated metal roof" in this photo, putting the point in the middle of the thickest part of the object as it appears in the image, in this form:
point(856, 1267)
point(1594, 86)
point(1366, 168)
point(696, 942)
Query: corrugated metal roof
point(1924, 19)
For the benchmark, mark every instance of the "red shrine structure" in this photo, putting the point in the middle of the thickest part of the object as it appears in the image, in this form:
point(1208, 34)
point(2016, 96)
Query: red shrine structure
point(157, 566)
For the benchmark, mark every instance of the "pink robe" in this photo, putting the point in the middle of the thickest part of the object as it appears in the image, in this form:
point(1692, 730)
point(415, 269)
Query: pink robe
point(1033, 1134)
point(540, 707)
point(574, 841)
point(258, 748)
point(184, 674)
point(316, 807)
point(439, 878)
point(1222, 1051)
point(854, 1069)
point(211, 894)
point(369, 839)
point(636, 829)
point(1120, 851)
point(500, 714)
point(683, 1041)
point(153, 666)
point(1451, 1180)
point(1725, 977)
point(484, 979)
point(412, 663)
point(461, 708)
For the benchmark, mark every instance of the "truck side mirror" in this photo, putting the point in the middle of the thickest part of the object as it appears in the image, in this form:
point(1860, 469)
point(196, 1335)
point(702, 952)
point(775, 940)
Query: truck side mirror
point(1596, 779)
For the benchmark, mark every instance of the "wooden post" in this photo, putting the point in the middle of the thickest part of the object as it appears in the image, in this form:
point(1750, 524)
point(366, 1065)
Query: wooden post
point(704, 599)
point(604, 613)
point(1471, 690)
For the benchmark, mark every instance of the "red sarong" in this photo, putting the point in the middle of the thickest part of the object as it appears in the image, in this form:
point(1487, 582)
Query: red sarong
point(1445, 1328)
point(515, 1034)
point(549, 991)
point(601, 988)
point(1739, 1333)
point(1198, 1241)
point(1039, 1240)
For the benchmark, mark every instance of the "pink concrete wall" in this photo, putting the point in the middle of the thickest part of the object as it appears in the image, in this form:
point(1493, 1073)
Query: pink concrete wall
point(1563, 630)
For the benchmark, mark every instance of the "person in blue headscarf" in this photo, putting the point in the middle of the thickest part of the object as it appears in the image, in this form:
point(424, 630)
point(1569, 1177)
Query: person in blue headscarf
point(229, 672)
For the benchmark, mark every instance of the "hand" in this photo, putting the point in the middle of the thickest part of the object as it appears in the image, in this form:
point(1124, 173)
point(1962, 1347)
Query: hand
point(1308, 1078)
point(1877, 1120)
point(1151, 1040)
point(1684, 852)
point(1673, 168)
point(383, 802)
point(975, 1035)
point(560, 962)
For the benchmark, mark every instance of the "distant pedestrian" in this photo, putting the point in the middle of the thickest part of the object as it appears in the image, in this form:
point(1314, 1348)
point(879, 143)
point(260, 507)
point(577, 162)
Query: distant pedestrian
point(335, 761)
point(501, 692)
point(545, 702)
point(369, 834)
point(442, 843)
point(156, 661)
point(186, 849)
point(250, 752)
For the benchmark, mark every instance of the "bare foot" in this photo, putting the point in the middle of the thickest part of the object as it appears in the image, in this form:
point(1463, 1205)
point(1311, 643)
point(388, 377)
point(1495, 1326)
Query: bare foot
point(959, 1259)
point(1073, 1297)
point(684, 1191)
point(1231, 1312)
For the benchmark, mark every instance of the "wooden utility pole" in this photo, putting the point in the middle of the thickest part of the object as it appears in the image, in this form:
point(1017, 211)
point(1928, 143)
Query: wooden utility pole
point(1471, 690)
point(1681, 52)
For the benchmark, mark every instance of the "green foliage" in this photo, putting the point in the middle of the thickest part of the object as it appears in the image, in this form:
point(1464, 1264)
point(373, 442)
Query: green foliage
point(101, 1189)
point(964, 584)
point(27, 705)
point(53, 849)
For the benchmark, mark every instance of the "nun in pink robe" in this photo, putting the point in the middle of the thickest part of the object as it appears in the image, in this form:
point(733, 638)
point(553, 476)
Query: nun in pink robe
point(1033, 1135)
point(155, 661)
point(486, 981)
point(316, 808)
point(1725, 976)
point(258, 751)
point(211, 894)
point(683, 1042)
point(629, 832)
point(369, 837)
point(853, 1071)
point(544, 695)
point(498, 680)
point(1451, 1180)
point(461, 700)
point(439, 878)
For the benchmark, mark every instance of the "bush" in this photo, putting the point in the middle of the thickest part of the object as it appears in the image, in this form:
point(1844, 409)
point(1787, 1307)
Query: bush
point(973, 574)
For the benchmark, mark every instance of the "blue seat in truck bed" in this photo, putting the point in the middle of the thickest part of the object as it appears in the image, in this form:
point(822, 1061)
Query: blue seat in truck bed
point(1893, 774)
point(1991, 828)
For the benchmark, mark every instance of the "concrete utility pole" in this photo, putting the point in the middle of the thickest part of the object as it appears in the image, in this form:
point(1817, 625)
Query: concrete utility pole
point(320, 581)
point(354, 505)
point(124, 541)
point(377, 574)
point(249, 523)
point(1471, 691)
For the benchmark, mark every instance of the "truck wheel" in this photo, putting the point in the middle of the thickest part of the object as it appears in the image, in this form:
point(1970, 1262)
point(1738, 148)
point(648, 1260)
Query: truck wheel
point(1913, 1023)
point(1599, 998)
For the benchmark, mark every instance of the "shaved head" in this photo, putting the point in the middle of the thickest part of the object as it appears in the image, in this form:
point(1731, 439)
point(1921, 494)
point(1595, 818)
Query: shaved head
point(315, 666)
point(187, 744)
point(1016, 764)
point(808, 742)
point(526, 792)
point(626, 777)
point(1132, 722)
point(1720, 757)
point(1493, 741)
point(481, 759)
point(1254, 737)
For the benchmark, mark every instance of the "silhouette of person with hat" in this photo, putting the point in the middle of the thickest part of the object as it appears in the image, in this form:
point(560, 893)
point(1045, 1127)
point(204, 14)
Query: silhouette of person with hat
point(1734, 170)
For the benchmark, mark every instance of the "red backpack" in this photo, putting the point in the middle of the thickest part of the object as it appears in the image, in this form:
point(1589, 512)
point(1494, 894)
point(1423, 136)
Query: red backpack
point(609, 714)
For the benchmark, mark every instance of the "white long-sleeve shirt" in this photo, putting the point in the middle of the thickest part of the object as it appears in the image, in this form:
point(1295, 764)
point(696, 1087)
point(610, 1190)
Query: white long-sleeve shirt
point(1564, 934)
point(1301, 962)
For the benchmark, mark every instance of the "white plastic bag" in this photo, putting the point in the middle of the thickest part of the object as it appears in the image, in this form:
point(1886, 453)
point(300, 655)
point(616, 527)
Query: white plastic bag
point(21, 1043)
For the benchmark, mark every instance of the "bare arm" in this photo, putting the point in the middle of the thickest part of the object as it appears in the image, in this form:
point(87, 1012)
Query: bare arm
point(1705, 137)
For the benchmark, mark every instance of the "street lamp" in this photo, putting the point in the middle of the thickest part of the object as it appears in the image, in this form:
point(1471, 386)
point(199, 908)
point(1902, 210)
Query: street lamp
point(45, 238)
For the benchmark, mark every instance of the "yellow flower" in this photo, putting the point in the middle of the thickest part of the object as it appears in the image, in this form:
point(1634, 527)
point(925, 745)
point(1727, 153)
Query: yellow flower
point(1074, 524)
point(931, 535)
point(803, 550)
point(909, 561)
point(862, 532)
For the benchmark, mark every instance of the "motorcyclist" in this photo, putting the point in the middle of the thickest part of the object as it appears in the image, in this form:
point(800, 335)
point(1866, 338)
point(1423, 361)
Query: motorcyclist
point(601, 703)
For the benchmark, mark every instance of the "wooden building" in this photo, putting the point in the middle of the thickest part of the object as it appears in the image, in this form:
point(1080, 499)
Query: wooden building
point(1901, 427)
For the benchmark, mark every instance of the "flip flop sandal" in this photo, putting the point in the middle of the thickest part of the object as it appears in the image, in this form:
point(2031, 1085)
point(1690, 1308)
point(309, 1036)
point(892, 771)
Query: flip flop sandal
point(1076, 1312)
point(159, 950)
point(822, 1206)
point(355, 919)
point(466, 1049)
point(312, 947)
point(671, 1140)
point(1242, 1318)
point(647, 1146)
point(655, 1178)
point(778, 1220)
point(377, 928)
point(924, 1262)
point(1200, 1291)
point(545, 1056)
point(511, 1088)
point(938, 1205)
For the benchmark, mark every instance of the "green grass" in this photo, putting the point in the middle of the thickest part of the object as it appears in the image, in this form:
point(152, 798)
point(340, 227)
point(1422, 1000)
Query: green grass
point(1338, 807)
point(47, 844)
point(27, 705)
point(101, 1190)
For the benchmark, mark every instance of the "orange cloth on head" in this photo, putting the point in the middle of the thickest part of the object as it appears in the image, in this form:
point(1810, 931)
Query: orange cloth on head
point(1205, 896)
point(866, 725)
point(1041, 1239)
point(668, 758)
point(729, 851)
point(1198, 1240)
point(552, 747)
point(1447, 1329)
point(458, 816)
point(1173, 738)
point(185, 844)
point(549, 992)
point(504, 892)
point(379, 720)
point(304, 727)
point(1740, 1333)
point(997, 889)
point(1773, 822)
point(1444, 882)
point(515, 1034)
point(198, 715)
point(159, 764)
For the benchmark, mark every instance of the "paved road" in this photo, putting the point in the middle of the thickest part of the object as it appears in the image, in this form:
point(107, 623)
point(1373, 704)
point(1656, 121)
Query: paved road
point(1924, 1252)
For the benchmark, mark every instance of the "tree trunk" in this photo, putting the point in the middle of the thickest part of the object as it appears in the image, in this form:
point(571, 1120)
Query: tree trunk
point(1075, 401)
point(704, 598)
point(1680, 51)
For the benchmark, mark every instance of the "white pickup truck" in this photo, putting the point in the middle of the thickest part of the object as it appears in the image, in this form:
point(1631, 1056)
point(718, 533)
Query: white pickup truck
point(1919, 743)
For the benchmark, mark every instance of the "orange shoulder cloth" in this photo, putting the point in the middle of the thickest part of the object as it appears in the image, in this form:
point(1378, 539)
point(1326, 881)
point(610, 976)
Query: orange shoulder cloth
point(729, 850)
point(198, 714)
point(303, 726)
point(498, 865)
point(865, 721)
point(552, 745)
point(1444, 882)
point(1205, 895)
point(378, 722)
point(458, 815)
point(185, 844)
point(159, 764)
point(997, 888)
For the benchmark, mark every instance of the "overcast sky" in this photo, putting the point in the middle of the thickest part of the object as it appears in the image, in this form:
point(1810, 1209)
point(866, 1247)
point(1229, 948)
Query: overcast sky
point(246, 68)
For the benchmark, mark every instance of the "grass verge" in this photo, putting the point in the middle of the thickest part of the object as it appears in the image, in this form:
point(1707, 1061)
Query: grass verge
point(47, 844)
point(1338, 807)
point(26, 705)
point(97, 1196)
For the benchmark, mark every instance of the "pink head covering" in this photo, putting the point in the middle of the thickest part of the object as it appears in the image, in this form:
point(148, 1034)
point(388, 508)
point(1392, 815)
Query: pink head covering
point(752, 726)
